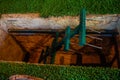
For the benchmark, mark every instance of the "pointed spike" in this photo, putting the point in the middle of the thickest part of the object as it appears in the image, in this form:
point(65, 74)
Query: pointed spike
point(82, 30)
point(67, 39)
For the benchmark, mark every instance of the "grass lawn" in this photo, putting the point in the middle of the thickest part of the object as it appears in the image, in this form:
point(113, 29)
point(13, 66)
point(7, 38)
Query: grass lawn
point(60, 7)
point(52, 72)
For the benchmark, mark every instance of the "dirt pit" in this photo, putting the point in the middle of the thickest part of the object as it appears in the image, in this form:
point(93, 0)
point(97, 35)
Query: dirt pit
point(14, 48)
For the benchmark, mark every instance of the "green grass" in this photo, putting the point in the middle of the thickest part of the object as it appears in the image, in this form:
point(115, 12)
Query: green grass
point(59, 7)
point(52, 72)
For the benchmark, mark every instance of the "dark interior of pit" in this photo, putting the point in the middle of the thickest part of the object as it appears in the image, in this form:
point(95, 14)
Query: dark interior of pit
point(33, 46)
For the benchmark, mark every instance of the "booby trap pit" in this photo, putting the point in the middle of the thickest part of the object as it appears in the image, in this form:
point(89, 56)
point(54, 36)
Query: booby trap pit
point(79, 46)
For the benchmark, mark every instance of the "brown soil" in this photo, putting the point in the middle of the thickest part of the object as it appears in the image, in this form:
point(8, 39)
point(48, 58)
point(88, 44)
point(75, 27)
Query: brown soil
point(15, 51)
point(35, 44)
point(10, 51)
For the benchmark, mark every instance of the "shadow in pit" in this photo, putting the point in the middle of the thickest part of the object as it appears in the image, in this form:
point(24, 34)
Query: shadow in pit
point(27, 54)
point(107, 45)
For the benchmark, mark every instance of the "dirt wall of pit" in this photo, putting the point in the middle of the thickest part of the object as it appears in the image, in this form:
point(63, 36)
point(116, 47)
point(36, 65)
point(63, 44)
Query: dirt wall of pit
point(9, 50)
